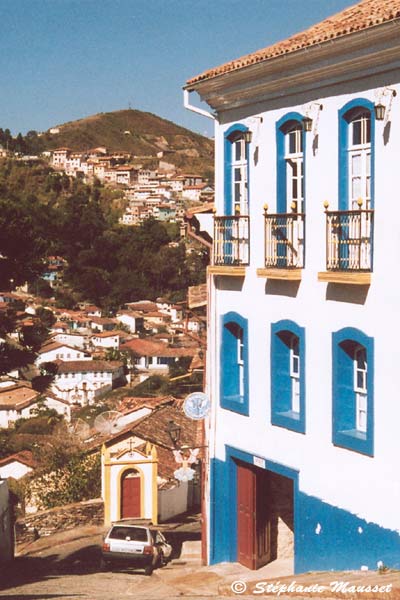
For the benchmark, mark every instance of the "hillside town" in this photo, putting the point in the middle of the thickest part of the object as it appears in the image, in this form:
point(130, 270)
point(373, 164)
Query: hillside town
point(159, 193)
point(239, 437)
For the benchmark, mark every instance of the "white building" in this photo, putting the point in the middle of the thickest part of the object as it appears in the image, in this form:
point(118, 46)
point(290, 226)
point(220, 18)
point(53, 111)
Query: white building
point(54, 350)
point(77, 340)
point(132, 320)
point(19, 401)
point(17, 465)
point(83, 382)
point(304, 298)
point(108, 339)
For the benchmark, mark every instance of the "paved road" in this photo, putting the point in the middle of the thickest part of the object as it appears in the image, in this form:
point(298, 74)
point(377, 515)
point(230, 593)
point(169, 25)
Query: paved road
point(66, 566)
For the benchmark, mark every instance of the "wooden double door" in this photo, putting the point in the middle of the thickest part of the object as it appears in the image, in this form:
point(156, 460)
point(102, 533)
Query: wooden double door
point(253, 516)
point(131, 495)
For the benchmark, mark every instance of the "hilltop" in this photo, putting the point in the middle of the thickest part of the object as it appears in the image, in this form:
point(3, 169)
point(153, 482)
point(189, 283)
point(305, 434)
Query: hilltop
point(142, 134)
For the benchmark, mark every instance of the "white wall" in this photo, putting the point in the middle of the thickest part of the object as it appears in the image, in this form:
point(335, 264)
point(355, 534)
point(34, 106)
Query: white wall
point(173, 501)
point(15, 470)
point(340, 477)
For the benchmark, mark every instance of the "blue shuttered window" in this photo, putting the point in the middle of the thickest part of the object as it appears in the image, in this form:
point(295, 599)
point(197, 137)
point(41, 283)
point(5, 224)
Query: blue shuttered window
point(234, 392)
point(353, 390)
point(288, 375)
point(349, 158)
point(231, 203)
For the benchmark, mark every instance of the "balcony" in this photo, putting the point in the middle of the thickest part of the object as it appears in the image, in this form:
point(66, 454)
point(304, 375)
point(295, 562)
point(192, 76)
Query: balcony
point(284, 246)
point(231, 248)
point(349, 247)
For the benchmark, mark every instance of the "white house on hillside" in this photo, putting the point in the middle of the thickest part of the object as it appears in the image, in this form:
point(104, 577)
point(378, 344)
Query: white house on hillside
point(53, 350)
point(84, 381)
point(18, 400)
point(304, 298)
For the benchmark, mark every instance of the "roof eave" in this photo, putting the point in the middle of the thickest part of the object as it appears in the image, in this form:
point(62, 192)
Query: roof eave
point(269, 78)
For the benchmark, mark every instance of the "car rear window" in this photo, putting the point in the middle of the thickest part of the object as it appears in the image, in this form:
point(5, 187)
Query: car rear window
point(137, 534)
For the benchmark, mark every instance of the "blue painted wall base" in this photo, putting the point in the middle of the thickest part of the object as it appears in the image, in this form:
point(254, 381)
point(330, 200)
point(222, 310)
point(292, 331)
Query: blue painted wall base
point(343, 542)
point(326, 538)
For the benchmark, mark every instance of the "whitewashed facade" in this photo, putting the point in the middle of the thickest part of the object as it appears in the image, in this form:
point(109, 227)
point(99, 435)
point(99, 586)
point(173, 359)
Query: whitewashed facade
point(304, 299)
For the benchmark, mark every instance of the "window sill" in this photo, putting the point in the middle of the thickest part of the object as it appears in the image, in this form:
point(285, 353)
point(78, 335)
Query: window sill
point(283, 274)
point(289, 420)
point(354, 433)
point(235, 404)
point(354, 440)
point(346, 277)
point(227, 270)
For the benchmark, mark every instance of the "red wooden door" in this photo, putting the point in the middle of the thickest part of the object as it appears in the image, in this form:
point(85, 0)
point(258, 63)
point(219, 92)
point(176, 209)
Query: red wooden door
point(263, 519)
point(130, 496)
point(246, 508)
point(253, 520)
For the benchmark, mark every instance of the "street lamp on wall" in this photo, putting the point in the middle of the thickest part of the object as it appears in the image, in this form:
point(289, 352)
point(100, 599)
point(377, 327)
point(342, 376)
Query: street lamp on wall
point(248, 136)
point(380, 108)
point(307, 123)
point(174, 431)
point(379, 112)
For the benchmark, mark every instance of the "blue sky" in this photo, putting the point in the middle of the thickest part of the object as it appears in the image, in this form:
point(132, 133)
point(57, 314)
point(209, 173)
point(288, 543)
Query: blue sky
point(62, 60)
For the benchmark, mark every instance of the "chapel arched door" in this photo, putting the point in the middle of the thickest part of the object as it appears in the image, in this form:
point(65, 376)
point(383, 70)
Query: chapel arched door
point(131, 495)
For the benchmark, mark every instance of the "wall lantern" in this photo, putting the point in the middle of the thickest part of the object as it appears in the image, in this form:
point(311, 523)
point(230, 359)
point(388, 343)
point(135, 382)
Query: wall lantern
point(307, 123)
point(247, 136)
point(382, 106)
point(174, 431)
point(379, 111)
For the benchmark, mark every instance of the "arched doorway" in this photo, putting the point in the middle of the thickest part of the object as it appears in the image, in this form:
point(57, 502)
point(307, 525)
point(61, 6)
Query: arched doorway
point(131, 494)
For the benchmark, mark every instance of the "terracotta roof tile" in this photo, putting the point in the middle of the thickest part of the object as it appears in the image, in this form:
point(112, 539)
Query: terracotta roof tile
point(150, 347)
point(76, 366)
point(364, 15)
point(17, 397)
point(25, 457)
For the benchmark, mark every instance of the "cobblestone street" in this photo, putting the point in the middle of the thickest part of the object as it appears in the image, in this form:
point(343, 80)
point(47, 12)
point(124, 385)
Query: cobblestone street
point(66, 566)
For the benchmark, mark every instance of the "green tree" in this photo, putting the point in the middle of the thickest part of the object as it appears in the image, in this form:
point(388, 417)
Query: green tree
point(67, 473)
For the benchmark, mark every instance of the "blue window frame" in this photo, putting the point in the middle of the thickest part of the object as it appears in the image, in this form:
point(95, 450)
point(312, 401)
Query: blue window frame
point(290, 144)
point(234, 392)
point(288, 376)
point(353, 390)
point(356, 154)
point(236, 171)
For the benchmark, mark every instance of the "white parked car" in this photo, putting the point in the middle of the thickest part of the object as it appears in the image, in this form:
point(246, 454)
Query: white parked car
point(131, 545)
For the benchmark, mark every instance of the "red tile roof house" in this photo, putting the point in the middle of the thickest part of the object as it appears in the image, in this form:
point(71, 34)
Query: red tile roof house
point(18, 400)
point(154, 357)
point(103, 324)
point(108, 339)
point(53, 350)
point(132, 319)
point(70, 338)
point(17, 465)
point(85, 381)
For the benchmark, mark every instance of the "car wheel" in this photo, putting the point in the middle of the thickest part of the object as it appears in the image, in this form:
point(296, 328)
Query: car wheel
point(148, 570)
point(103, 565)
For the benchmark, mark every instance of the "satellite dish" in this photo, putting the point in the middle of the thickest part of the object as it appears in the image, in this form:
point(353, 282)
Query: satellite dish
point(80, 428)
point(108, 422)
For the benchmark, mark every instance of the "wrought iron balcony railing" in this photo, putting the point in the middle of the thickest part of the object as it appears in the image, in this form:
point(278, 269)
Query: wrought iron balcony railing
point(349, 240)
point(231, 241)
point(284, 240)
